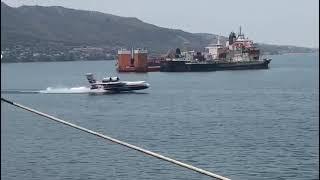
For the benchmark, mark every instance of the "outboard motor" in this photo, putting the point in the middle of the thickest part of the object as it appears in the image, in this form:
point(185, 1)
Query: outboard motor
point(90, 78)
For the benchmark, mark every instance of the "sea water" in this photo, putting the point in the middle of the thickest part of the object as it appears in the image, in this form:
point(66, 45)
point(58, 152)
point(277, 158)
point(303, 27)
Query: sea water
point(248, 124)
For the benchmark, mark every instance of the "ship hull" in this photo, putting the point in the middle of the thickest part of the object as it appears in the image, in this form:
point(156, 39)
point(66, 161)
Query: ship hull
point(185, 66)
point(124, 88)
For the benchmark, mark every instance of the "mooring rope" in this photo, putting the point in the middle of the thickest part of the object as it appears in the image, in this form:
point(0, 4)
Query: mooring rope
point(159, 156)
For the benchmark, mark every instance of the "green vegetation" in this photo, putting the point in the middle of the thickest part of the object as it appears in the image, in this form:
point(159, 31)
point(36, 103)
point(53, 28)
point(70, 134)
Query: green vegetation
point(36, 33)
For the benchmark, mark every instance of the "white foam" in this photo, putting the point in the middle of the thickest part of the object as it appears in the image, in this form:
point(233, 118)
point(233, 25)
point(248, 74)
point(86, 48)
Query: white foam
point(73, 90)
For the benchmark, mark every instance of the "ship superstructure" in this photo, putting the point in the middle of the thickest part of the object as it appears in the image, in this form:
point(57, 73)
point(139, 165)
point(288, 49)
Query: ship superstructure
point(214, 50)
point(241, 48)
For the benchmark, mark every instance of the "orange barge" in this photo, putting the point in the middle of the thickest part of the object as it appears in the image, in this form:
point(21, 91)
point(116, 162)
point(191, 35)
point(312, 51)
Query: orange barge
point(135, 61)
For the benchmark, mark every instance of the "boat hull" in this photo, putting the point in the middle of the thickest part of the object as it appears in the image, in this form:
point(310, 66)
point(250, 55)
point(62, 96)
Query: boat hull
point(185, 66)
point(122, 88)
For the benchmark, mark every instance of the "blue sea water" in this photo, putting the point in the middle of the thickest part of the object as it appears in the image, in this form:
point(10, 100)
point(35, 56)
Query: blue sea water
point(250, 124)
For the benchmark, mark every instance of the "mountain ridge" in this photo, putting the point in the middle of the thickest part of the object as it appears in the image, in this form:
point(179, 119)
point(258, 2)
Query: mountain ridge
point(60, 29)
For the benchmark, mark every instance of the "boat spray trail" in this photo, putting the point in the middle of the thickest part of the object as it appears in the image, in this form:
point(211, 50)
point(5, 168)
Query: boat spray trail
point(72, 90)
point(55, 90)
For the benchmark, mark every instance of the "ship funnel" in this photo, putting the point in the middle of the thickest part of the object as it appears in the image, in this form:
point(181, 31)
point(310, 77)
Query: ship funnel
point(178, 53)
point(232, 38)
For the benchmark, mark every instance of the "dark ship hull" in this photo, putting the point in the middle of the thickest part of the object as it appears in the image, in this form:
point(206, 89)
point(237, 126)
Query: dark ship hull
point(188, 66)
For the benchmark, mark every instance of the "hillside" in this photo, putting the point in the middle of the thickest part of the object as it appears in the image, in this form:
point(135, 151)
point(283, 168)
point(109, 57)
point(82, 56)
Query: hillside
point(57, 29)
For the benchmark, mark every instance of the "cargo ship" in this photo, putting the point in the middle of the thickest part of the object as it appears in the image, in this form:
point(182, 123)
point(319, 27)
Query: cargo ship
point(239, 53)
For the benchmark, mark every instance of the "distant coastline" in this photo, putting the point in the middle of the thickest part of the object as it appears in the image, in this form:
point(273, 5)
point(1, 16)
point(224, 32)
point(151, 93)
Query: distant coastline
point(31, 61)
point(114, 59)
point(100, 36)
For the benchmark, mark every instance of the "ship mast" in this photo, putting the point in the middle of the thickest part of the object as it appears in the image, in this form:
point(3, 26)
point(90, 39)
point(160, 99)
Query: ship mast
point(240, 36)
point(131, 52)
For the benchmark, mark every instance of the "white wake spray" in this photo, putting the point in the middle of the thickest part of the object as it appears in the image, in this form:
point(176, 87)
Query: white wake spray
point(73, 90)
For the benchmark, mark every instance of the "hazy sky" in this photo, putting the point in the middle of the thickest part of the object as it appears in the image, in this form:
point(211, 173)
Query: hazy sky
point(286, 22)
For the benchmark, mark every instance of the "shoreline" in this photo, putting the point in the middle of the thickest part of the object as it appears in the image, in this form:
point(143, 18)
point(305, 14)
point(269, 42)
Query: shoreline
point(115, 59)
